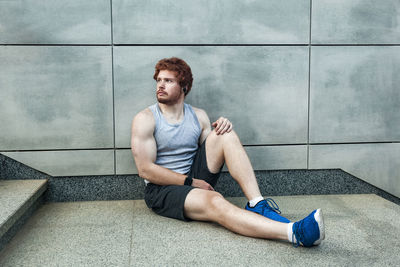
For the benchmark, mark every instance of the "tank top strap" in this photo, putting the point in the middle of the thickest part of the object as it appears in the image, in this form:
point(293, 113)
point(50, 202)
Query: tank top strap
point(156, 114)
point(192, 113)
point(176, 144)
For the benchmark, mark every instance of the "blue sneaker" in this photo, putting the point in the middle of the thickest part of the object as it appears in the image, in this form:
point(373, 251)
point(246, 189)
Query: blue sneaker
point(309, 231)
point(268, 208)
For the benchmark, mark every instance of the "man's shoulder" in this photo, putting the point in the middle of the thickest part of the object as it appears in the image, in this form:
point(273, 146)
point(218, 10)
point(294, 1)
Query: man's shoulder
point(199, 111)
point(145, 112)
point(144, 118)
point(201, 115)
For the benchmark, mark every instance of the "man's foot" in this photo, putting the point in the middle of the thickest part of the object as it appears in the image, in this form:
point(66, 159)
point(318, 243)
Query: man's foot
point(264, 208)
point(310, 231)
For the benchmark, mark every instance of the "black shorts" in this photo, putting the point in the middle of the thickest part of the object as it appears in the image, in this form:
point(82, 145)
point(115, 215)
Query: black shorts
point(168, 200)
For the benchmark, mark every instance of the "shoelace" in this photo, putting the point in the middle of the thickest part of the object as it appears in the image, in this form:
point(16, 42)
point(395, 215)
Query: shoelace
point(271, 204)
point(297, 233)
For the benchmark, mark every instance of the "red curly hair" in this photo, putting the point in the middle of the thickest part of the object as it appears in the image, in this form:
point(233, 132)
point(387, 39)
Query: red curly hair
point(184, 73)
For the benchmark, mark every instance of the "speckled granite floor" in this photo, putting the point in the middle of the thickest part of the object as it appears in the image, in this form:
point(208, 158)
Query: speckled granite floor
point(18, 200)
point(360, 230)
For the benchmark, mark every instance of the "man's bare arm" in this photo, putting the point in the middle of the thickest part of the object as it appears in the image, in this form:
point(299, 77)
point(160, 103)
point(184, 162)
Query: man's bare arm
point(204, 124)
point(144, 151)
point(222, 125)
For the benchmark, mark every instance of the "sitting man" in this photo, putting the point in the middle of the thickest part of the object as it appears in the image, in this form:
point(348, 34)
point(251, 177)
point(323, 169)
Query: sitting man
point(181, 157)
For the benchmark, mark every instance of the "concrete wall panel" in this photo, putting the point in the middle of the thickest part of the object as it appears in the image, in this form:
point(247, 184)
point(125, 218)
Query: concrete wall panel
point(55, 22)
point(263, 90)
point(210, 22)
point(125, 164)
point(75, 73)
point(355, 94)
point(55, 97)
point(377, 164)
point(68, 163)
point(278, 157)
point(261, 157)
point(355, 22)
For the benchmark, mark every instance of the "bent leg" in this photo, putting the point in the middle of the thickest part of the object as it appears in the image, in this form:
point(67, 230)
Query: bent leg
point(204, 205)
point(228, 148)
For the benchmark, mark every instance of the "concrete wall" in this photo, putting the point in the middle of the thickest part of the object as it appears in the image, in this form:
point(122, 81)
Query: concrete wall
point(307, 84)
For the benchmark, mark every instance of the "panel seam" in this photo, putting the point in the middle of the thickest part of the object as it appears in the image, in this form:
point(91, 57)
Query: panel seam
point(309, 90)
point(112, 85)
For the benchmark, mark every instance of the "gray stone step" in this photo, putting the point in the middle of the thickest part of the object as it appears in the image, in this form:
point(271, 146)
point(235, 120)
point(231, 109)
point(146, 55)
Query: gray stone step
point(18, 199)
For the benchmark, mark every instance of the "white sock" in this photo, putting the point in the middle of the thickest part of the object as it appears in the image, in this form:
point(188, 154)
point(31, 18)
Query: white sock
point(290, 233)
point(255, 200)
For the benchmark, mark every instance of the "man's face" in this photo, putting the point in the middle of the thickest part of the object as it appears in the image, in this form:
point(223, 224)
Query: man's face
point(168, 89)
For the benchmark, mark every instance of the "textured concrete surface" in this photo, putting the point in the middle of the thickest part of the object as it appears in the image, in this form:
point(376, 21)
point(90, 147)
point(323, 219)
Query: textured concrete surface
point(124, 162)
point(11, 169)
point(55, 97)
point(68, 163)
point(14, 228)
point(375, 163)
point(211, 22)
point(78, 234)
point(268, 83)
point(55, 22)
point(360, 230)
point(59, 93)
point(355, 21)
point(16, 196)
point(354, 94)
point(120, 187)
point(261, 157)
point(87, 188)
point(280, 182)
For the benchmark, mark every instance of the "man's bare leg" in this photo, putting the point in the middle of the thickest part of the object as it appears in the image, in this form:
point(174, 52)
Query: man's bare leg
point(205, 205)
point(228, 148)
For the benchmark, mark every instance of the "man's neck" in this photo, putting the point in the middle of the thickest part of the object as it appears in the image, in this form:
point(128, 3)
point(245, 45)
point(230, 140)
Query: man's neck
point(173, 113)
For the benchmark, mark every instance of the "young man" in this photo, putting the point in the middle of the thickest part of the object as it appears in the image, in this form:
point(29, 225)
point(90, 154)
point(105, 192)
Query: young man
point(180, 157)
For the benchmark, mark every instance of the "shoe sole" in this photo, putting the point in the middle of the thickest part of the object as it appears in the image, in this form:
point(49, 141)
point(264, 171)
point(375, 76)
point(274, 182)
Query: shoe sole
point(320, 220)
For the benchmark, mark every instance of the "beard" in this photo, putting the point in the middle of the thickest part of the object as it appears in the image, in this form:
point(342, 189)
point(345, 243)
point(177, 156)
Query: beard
point(169, 100)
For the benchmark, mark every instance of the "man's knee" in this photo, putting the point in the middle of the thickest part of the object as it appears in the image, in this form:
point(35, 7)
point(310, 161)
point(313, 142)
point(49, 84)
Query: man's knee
point(226, 137)
point(202, 203)
point(207, 205)
point(214, 200)
point(216, 145)
point(216, 205)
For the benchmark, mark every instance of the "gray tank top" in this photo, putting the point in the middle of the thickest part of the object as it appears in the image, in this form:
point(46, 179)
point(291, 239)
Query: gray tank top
point(176, 143)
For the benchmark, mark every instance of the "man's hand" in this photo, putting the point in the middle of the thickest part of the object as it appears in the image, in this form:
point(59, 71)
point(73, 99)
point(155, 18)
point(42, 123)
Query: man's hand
point(222, 125)
point(202, 184)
